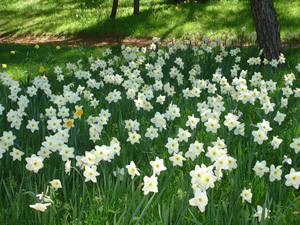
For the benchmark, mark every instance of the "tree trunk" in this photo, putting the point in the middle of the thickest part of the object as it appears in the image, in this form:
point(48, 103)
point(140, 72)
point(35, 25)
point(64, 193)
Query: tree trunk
point(136, 7)
point(267, 29)
point(114, 9)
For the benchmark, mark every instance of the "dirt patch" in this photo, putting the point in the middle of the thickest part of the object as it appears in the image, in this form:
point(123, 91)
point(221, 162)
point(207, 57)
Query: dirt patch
point(94, 40)
point(75, 41)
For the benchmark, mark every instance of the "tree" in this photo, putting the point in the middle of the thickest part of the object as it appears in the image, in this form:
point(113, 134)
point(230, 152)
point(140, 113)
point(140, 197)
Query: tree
point(267, 29)
point(136, 7)
point(114, 9)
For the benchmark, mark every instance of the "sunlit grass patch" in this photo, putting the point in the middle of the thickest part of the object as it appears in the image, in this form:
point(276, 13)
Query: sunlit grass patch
point(156, 18)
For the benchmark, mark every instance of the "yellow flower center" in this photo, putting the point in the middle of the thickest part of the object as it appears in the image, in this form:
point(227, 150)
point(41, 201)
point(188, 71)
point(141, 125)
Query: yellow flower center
point(69, 123)
point(79, 112)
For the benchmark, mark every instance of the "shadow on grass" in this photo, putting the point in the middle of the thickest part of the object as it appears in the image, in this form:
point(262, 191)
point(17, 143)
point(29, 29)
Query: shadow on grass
point(22, 22)
point(161, 20)
point(167, 20)
point(154, 20)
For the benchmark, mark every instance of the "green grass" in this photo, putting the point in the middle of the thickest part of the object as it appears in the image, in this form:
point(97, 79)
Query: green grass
point(157, 18)
point(112, 201)
point(27, 60)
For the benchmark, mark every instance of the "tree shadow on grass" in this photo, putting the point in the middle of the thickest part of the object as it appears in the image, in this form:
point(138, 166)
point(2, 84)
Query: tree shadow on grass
point(165, 21)
point(150, 21)
point(45, 16)
point(160, 20)
point(43, 20)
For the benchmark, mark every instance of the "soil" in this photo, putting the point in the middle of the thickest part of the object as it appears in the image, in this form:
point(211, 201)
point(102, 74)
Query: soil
point(75, 41)
point(91, 40)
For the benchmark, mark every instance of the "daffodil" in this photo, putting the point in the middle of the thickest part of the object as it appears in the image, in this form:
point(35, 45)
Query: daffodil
point(150, 184)
point(246, 195)
point(56, 184)
point(16, 154)
point(132, 170)
point(200, 200)
point(42, 69)
point(78, 113)
point(259, 213)
point(40, 206)
point(293, 179)
point(90, 174)
point(158, 165)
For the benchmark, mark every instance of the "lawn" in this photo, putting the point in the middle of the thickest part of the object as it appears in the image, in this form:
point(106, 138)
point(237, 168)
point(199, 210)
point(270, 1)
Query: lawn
point(199, 130)
point(157, 18)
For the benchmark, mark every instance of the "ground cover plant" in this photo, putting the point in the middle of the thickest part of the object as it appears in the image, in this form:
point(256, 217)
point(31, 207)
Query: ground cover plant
point(188, 133)
point(157, 18)
point(44, 58)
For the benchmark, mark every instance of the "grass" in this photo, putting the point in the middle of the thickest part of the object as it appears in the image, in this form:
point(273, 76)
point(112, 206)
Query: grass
point(115, 201)
point(27, 60)
point(157, 18)
point(112, 201)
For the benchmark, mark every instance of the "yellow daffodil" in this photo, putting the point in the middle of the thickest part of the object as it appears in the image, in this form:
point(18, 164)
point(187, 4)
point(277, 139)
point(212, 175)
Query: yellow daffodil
point(68, 123)
point(42, 69)
point(78, 113)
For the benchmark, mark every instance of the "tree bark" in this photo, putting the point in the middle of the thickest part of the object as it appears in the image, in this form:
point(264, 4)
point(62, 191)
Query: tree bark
point(114, 9)
point(267, 29)
point(136, 7)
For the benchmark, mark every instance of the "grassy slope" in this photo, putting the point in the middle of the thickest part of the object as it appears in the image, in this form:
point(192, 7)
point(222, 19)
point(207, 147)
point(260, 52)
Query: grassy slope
point(71, 17)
